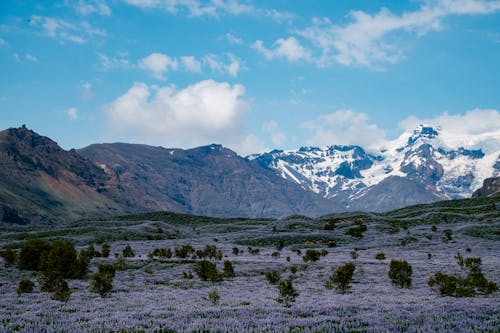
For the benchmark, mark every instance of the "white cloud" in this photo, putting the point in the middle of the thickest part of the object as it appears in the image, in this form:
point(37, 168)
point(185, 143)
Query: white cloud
point(284, 48)
point(113, 62)
point(233, 39)
point(86, 88)
point(72, 113)
point(30, 57)
point(368, 39)
point(62, 30)
point(93, 6)
point(26, 57)
point(232, 67)
point(202, 113)
point(214, 8)
point(278, 138)
point(467, 130)
point(191, 64)
point(2, 42)
point(344, 127)
point(158, 64)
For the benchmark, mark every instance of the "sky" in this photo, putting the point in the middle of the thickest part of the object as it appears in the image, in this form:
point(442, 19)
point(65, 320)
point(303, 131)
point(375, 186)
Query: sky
point(251, 75)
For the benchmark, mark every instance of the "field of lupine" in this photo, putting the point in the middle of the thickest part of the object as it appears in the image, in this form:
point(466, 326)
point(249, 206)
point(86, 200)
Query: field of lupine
point(161, 291)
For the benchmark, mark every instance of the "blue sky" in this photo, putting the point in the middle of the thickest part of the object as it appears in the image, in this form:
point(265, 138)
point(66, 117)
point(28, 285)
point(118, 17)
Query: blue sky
point(252, 75)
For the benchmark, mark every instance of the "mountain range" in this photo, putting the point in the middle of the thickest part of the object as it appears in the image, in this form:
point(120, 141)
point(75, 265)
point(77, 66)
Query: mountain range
point(41, 182)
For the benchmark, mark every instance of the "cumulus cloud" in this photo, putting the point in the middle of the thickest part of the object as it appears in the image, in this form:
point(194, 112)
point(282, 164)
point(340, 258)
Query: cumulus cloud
point(65, 31)
point(158, 64)
point(344, 127)
point(72, 113)
point(2, 42)
point(474, 127)
point(289, 49)
point(202, 113)
point(233, 39)
point(191, 64)
point(26, 57)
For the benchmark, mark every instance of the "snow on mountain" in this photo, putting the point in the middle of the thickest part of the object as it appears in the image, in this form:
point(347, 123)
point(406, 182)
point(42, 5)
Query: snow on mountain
point(442, 162)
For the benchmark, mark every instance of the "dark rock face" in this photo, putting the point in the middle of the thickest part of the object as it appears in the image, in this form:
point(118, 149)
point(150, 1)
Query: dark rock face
point(491, 188)
point(210, 180)
point(39, 181)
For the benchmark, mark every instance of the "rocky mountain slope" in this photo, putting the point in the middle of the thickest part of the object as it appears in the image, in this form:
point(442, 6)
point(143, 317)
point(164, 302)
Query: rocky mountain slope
point(210, 180)
point(39, 181)
point(490, 188)
point(418, 167)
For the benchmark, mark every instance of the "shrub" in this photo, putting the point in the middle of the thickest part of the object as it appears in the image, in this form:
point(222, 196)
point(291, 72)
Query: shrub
point(102, 284)
point(293, 269)
point(214, 297)
point(341, 277)
point(183, 251)
point(287, 292)
point(207, 271)
point(324, 253)
point(161, 253)
point(357, 231)
point(61, 260)
point(280, 245)
point(447, 235)
point(459, 259)
point(332, 244)
point(400, 273)
point(31, 253)
point(105, 250)
point(354, 255)
point(458, 286)
point(61, 291)
point(8, 255)
point(228, 270)
point(25, 286)
point(187, 275)
point(107, 269)
point(236, 251)
point(288, 258)
point(276, 254)
point(380, 256)
point(311, 255)
point(128, 252)
point(273, 277)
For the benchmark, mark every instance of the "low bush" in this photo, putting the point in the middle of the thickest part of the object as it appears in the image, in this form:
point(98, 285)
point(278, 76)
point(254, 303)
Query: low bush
point(357, 231)
point(400, 272)
point(341, 277)
point(287, 293)
point(311, 255)
point(380, 256)
point(207, 271)
point(228, 270)
point(25, 286)
point(214, 297)
point(273, 277)
point(127, 252)
point(101, 283)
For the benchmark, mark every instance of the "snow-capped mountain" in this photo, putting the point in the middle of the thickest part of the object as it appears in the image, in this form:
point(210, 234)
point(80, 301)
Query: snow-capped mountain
point(422, 165)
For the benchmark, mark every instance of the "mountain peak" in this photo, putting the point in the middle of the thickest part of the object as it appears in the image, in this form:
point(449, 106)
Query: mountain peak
point(423, 132)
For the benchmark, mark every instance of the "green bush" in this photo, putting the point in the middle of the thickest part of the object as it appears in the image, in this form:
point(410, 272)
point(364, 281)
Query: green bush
point(341, 277)
point(31, 253)
point(380, 256)
point(400, 272)
point(228, 270)
point(472, 284)
point(354, 255)
point(61, 260)
point(61, 291)
point(25, 286)
point(311, 255)
point(128, 252)
point(107, 269)
point(273, 277)
point(287, 292)
point(184, 251)
point(207, 271)
point(102, 284)
point(214, 297)
point(105, 250)
point(447, 235)
point(357, 231)
point(236, 251)
point(8, 255)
